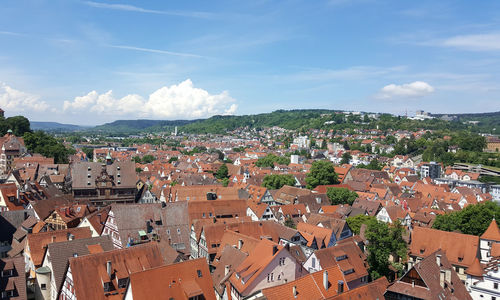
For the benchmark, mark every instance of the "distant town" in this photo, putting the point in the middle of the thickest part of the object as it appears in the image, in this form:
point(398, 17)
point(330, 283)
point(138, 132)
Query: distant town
point(299, 204)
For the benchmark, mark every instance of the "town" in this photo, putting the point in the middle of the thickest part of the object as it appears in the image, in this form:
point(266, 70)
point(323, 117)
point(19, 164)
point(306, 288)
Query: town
point(344, 209)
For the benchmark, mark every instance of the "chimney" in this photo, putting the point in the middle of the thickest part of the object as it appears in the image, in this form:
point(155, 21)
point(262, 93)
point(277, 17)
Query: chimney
point(294, 291)
point(240, 244)
point(226, 270)
point(325, 280)
point(441, 279)
point(275, 249)
point(438, 260)
point(447, 276)
point(108, 268)
point(340, 287)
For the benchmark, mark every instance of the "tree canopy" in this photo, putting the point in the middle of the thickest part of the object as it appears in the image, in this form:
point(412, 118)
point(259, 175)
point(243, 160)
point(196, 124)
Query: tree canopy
point(270, 159)
point(222, 172)
point(277, 181)
point(473, 219)
point(356, 222)
point(346, 158)
point(321, 173)
point(384, 241)
point(47, 145)
point(341, 195)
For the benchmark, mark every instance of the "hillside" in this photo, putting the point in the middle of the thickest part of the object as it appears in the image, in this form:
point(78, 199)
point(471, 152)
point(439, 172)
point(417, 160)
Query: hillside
point(54, 126)
point(135, 126)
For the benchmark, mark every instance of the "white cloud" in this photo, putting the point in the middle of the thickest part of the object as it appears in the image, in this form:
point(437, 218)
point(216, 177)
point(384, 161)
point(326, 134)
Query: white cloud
point(475, 42)
point(14, 100)
point(170, 102)
point(415, 89)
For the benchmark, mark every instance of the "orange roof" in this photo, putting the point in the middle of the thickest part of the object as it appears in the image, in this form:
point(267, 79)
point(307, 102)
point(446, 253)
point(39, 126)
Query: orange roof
point(177, 281)
point(476, 269)
point(309, 287)
point(492, 233)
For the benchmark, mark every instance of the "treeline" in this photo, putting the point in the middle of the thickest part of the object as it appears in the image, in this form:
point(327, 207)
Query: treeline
point(37, 141)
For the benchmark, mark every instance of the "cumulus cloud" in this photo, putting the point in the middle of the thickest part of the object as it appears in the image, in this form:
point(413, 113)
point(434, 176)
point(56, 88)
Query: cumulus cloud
point(409, 90)
point(14, 100)
point(170, 102)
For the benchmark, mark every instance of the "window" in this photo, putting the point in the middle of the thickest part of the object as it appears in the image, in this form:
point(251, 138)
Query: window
point(313, 262)
point(495, 285)
point(43, 286)
point(199, 273)
point(178, 231)
point(108, 287)
point(493, 298)
point(272, 276)
point(122, 283)
point(268, 277)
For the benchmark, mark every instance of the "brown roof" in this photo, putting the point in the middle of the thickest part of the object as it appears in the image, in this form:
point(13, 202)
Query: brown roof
point(308, 287)
point(492, 233)
point(425, 276)
point(17, 281)
point(177, 281)
point(80, 172)
point(372, 291)
point(38, 241)
point(61, 252)
point(476, 269)
point(461, 249)
point(123, 263)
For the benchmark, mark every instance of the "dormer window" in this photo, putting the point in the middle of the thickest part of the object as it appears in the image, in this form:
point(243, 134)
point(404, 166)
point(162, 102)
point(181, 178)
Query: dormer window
point(88, 169)
point(460, 259)
point(108, 287)
point(7, 273)
point(118, 168)
point(88, 175)
point(88, 182)
point(122, 283)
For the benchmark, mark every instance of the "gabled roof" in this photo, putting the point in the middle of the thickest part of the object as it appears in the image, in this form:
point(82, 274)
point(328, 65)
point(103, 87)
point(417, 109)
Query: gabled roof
point(476, 269)
point(492, 233)
point(461, 249)
point(372, 291)
point(309, 287)
point(177, 281)
point(123, 263)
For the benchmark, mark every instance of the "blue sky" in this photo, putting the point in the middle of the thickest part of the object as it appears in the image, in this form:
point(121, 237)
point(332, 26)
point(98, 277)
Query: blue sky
point(90, 62)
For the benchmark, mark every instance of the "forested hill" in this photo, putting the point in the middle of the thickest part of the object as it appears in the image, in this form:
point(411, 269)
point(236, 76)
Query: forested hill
point(131, 126)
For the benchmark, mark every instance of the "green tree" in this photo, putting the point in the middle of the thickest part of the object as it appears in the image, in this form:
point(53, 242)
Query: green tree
point(18, 124)
point(173, 158)
point(373, 165)
point(341, 196)
point(270, 159)
point(346, 158)
point(136, 159)
point(356, 222)
point(47, 145)
point(147, 159)
point(277, 181)
point(138, 170)
point(89, 152)
point(321, 173)
point(473, 219)
point(289, 223)
point(222, 172)
point(382, 242)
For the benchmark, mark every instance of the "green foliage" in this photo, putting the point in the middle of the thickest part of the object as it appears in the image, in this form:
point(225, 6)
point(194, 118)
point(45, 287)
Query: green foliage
point(89, 152)
point(321, 173)
point(173, 158)
point(341, 195)
point(382, 242)
point(373, 165)
point(136, 159)
point(18, 124)
point(473, 219)
point(222, 172)
point(289, 223)
point(277, 181)
point(138, 170)
point(195, 150)
point(225, 182)
point(356, 222)
point(346, 158)
point(47, 145)
point(490, 179)
point(147, 159)
point(270, 159)
point(239, 149)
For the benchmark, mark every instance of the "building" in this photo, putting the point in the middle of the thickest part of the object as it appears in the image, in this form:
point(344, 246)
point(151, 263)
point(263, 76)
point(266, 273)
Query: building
point(55, 262)
point(492, 144)
point(432, 278)
point(12, 279)
point(432, 170)
point(103, 184)
point(185, 280)
point(105, 275)
point(11, 148)
point(461, 249)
